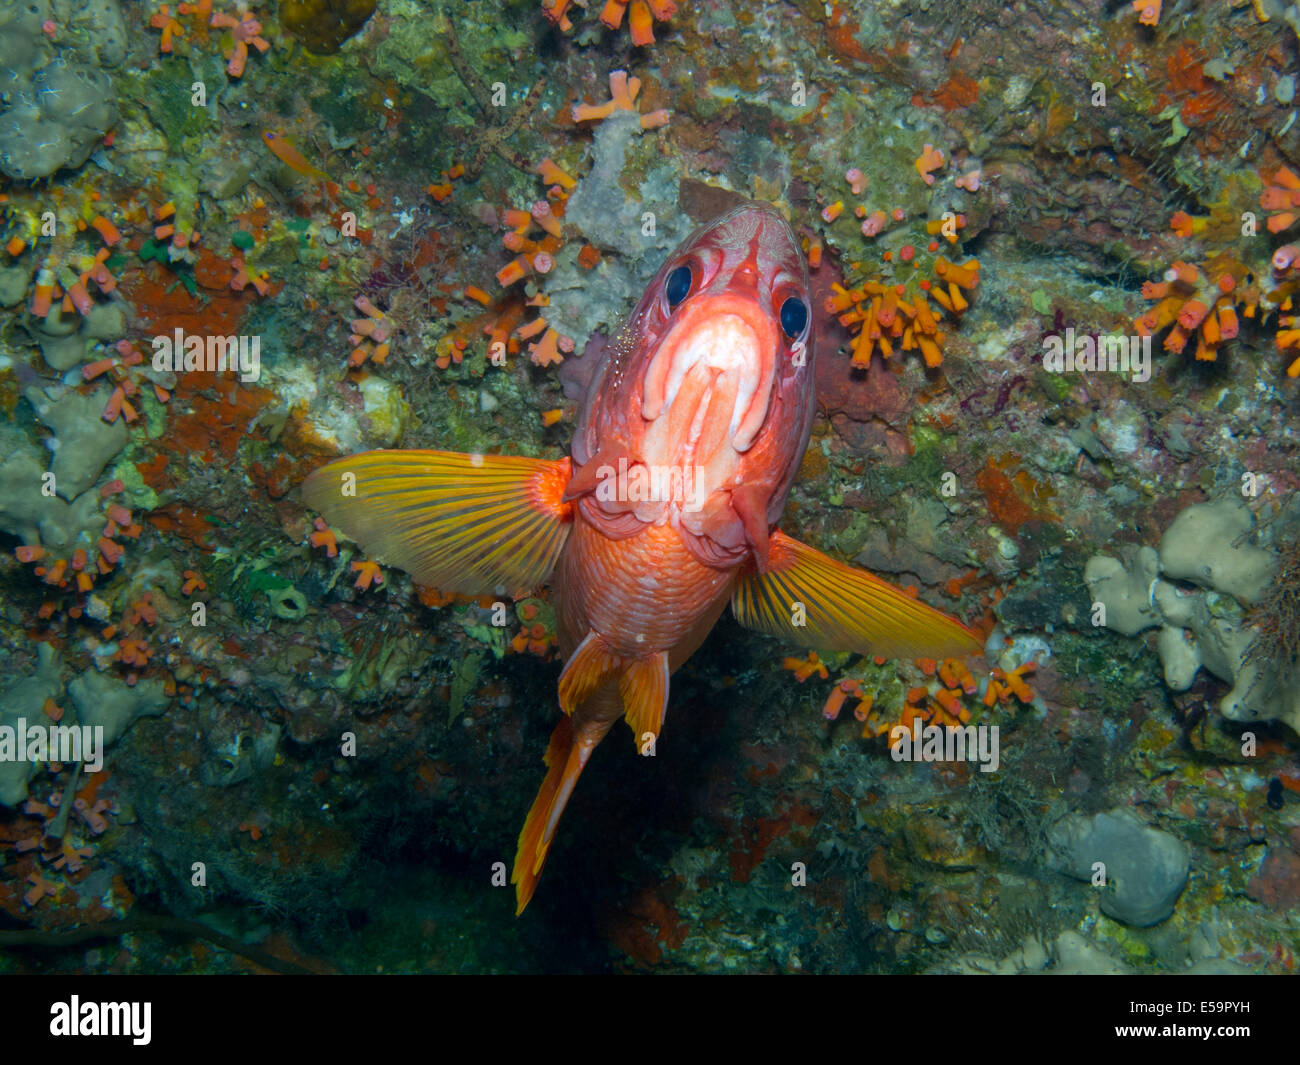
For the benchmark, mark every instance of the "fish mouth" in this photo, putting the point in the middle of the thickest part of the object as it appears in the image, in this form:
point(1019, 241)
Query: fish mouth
point(722, 347)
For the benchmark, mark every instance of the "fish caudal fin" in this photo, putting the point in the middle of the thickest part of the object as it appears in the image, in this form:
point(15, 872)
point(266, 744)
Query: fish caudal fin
point(587, 682)
point(475, 524)
point(811, 598)
point(565, 759)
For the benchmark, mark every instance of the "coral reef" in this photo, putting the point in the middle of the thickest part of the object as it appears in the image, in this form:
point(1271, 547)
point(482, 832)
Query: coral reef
point(239, 241)
point(1212, 320)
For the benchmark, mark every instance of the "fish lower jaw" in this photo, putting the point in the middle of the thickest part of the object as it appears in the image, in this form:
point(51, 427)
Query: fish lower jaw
point(727, 350)
point(721, 353)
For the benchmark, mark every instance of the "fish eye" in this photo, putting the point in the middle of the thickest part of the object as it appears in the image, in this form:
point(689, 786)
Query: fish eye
point(678, 286)
point(794, 316)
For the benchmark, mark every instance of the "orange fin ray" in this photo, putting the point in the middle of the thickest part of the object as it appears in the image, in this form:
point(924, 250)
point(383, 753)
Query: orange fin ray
point(644, 688)
point(842, 608)
point(475, 524)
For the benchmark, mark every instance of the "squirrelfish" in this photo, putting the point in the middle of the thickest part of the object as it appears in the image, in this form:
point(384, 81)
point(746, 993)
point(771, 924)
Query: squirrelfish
point(665, 510)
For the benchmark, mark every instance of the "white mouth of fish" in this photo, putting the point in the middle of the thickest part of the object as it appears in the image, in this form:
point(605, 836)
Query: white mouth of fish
point(720, 359)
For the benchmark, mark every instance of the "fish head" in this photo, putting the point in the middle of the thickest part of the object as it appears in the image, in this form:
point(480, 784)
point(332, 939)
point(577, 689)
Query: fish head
point(712, 376)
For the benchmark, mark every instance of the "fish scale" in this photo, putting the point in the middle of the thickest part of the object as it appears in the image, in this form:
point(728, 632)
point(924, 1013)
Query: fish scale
point(601, 590)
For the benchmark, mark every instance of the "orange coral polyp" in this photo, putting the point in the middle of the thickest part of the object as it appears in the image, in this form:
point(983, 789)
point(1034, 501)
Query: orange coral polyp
point(1211, 318)
point(805, 668)
point(966, 275)
point(623, 93)
point(1283, 196)
point(515, 270)
point(1148, 11)
point(552, 174)
point(641, 23)
point(557, 11)
point(612, 13)
point(1191, 315)
point(368, 573)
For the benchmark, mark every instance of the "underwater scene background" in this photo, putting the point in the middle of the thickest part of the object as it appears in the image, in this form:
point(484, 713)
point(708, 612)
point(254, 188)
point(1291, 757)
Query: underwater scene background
point(1052, 282)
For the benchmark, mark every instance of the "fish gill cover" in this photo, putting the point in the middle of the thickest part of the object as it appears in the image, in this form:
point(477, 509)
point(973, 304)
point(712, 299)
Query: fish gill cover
point(1044, 263)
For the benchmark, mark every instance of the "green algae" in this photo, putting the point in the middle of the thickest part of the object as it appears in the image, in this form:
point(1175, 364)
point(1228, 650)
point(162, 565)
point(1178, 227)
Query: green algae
point(265, 581)
point(287, 603)
point(155, 414)
point(125, 470)
point(853, 536)
point(464, 679)
point(1130, 941)
point(1117, 671)
point(167, 92)
point(1058, 385)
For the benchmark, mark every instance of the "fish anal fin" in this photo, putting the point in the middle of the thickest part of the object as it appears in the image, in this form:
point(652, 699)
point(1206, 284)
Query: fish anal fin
point(810, 598)
point(472, 524)
point(643, 684)
point(588, 668)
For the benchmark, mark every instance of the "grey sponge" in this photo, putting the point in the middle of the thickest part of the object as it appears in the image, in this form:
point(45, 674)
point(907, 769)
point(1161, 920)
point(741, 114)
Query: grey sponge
point(104, 700)
point(24, 699)
point(56, 102)
point(1146, 869)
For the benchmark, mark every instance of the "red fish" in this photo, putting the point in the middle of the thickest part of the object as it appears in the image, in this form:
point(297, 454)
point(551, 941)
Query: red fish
point(690, 434)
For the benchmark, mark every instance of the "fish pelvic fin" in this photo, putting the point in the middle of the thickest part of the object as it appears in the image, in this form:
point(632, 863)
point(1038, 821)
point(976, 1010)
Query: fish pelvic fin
point(588, 668)
point(810, 598)
point(474, 524)
point(643, 684)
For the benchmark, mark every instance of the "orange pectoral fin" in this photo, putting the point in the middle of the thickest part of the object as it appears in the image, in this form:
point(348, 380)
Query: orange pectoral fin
point(644, 688)
point(476, 524)
point(811, 598)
